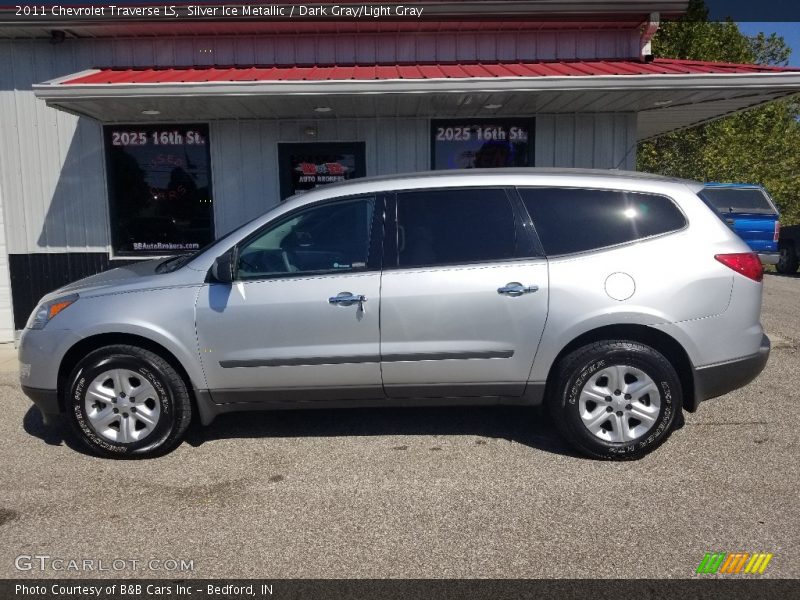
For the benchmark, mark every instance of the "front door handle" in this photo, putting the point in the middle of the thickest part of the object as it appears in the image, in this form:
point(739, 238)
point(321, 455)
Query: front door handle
point(348, 299)
point(516, 289)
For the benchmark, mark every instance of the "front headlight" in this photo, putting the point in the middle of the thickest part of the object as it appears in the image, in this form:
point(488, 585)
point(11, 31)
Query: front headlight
point(45, 312)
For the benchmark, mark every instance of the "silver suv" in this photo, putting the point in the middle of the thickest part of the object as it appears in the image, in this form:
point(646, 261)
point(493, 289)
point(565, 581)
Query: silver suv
point(618, 299)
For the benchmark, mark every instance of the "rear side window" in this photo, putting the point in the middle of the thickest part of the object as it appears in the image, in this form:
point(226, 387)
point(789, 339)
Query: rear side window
point(741, 200)
point(576, 220)
point(440, 227)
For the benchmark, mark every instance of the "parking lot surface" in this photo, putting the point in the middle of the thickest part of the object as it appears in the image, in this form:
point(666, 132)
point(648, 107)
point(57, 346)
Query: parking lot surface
point(457, 492)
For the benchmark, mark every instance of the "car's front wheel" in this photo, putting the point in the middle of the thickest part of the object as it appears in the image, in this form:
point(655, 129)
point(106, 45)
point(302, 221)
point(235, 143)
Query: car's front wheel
point(615, 399)
point(128, 402)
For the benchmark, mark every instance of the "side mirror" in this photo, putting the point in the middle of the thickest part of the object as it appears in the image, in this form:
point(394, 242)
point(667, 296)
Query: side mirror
point(224, 268)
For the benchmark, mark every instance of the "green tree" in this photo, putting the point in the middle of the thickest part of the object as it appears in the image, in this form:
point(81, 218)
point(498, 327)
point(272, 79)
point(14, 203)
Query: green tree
point(761, 145)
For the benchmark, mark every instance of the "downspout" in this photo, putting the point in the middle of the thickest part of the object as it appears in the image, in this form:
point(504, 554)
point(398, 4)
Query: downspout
point(645, 41)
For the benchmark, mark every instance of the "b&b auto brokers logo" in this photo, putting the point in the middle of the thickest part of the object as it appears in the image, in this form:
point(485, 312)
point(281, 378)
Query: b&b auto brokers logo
point(734, 563)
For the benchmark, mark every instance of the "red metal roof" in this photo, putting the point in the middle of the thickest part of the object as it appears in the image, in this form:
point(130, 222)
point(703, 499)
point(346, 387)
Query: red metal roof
point(591, 68)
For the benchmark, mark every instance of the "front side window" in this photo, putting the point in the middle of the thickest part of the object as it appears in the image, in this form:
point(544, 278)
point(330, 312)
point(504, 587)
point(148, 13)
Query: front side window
point(576, 220)
point(159, 188)
point(331, 238)
point(441, 227)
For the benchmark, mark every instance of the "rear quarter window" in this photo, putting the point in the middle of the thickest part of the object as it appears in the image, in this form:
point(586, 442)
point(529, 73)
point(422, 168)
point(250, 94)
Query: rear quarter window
point(738, 200)
point(570, 220)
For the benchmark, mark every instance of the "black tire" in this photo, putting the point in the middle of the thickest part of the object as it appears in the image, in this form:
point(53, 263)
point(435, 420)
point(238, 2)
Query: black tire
point(576, 369)
point(788, 261)
point(171, 394)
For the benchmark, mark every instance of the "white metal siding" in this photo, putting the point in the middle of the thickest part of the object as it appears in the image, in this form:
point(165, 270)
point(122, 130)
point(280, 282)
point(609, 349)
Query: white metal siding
point(52, 177)
point(595, 141)
point(364, 48)
point(6, 316)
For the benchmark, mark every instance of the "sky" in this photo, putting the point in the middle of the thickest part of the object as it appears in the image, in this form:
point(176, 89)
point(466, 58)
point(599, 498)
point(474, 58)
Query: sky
point(788, 29)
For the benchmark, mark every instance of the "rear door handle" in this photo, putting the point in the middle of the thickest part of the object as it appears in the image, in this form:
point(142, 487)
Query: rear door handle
point(516, 289)
point(348, 299)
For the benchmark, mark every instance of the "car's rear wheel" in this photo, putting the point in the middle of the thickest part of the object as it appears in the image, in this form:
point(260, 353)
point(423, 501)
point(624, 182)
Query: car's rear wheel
point(128, 402)
point(615, 399)
point(787, 261)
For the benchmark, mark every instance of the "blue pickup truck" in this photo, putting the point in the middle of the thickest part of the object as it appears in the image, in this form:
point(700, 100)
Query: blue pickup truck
point(748, 210)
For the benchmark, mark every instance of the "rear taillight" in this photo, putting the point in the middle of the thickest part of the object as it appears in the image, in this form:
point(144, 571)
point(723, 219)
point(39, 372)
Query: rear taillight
point(746, 263)
point(777, 231)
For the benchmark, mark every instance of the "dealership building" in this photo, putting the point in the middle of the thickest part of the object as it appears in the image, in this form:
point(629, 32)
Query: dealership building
point(127, 137)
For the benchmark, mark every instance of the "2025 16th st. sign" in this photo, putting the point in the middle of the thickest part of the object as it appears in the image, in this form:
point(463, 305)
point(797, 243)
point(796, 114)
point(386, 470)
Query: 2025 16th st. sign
point(479, 144)
point(159, 188)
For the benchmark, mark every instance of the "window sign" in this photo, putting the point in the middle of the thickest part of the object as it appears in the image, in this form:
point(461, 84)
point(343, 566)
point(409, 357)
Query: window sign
point(159, 188)
point(307, 166)
point(482, 144)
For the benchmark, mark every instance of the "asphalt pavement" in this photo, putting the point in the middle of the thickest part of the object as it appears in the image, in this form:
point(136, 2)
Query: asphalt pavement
point(413, 493)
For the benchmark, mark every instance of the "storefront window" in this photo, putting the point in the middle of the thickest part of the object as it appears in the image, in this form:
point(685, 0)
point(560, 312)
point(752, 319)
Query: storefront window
point(306, 166)
point(159, 188)
point(481, 144)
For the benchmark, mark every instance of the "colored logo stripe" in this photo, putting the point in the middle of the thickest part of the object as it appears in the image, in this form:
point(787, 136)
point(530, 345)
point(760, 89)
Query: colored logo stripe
point(758, 563)
point(734, 562)
point(711, 562)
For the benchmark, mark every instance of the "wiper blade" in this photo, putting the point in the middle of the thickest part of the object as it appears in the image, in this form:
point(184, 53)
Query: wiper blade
point(172, 263)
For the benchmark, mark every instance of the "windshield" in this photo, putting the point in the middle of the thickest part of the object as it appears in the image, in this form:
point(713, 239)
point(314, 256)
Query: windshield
point(747, 200)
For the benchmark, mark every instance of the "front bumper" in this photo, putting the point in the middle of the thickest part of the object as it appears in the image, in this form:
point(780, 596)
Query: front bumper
point(769, 258)
point(717, 380)
point(45, 400)
point(40, 354)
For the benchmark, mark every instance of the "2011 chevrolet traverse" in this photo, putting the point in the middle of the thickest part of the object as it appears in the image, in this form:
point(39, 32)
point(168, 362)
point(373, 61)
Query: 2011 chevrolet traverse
point(619, 299)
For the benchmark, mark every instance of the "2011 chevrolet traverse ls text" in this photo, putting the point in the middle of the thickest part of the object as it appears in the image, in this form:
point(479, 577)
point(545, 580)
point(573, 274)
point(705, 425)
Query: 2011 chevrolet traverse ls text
point(618, 299)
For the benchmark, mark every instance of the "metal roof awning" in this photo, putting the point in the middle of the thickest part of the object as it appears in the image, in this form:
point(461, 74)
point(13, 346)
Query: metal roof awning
point(666, 94)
